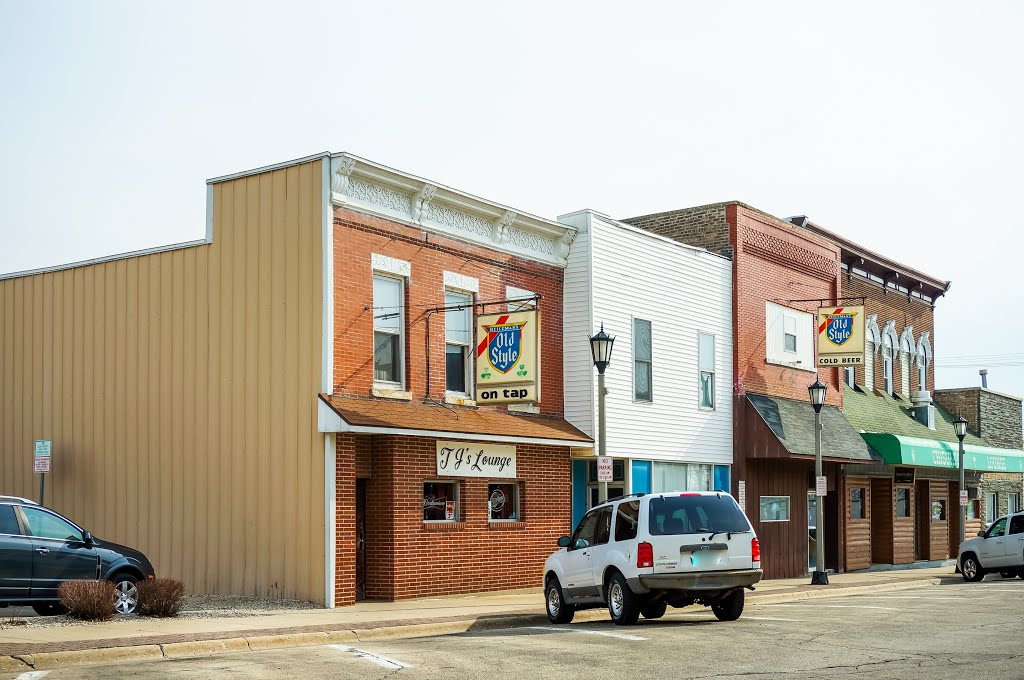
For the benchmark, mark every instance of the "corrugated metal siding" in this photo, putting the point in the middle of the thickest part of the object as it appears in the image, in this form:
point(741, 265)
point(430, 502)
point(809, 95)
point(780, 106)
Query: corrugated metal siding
point(682, 292)
point(179, 391)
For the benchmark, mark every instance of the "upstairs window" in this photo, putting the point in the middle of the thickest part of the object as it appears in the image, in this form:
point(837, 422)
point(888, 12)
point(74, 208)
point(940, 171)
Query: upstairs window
point(388, 330)
point(642, 373)
point(887, 363)
point(707, 371)
point(458, 334)
point(848, 375)
point(789, 337)
point(789, 333)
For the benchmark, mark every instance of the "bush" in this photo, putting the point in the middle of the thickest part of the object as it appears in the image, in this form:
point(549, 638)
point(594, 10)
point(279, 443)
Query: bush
point(160, 597)
point(88, 600)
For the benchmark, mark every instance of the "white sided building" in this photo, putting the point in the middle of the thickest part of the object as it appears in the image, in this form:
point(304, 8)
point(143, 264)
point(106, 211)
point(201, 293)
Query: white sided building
point(669, 406)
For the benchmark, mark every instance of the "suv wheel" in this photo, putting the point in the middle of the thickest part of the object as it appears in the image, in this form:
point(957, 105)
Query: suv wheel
point(653, 609)
point(971, 568)
point(558, 610)
point(126, 591)
point(622, 602)
point(730, 607)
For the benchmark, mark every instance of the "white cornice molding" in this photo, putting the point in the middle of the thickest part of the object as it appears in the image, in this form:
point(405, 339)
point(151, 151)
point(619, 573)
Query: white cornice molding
point(363, 185)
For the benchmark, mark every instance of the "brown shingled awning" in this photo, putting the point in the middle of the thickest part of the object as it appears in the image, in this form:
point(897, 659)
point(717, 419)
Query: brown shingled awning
point(377, 416)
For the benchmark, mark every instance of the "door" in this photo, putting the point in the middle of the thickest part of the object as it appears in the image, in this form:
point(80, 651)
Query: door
point(922, 522)
point(599, 553)
point(15, 556)
point(1015, 542)
point(360, 539)
point(59, 554)
point(812, 531)
point(993, 546)
point(578, 573)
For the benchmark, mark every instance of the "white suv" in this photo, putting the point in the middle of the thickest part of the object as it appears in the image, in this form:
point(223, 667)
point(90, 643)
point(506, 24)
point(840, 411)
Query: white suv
point(640, 553)
point(1000, 548)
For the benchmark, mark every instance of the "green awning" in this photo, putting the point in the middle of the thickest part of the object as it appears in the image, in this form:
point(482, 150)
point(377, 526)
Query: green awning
point(898, 450)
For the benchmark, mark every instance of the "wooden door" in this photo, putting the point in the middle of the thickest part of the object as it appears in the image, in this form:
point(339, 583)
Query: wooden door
point(922, 521)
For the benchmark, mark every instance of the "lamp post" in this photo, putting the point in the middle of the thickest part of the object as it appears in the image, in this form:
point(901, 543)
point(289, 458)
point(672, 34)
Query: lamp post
point(601, 350)
point(960, 427)
point(820, 576)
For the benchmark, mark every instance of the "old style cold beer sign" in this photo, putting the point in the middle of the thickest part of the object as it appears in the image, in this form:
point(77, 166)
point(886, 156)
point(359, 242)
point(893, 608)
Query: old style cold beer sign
point(474, 459)
point(507, 361)
point(840, 336)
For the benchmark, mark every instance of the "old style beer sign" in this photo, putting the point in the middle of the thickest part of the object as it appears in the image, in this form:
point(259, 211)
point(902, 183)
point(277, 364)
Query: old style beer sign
point(507, 360)
point(840, 336)
point(476, 459)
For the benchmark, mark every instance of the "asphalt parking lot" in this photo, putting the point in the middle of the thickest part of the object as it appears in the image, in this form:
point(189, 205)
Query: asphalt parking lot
point(951, 630)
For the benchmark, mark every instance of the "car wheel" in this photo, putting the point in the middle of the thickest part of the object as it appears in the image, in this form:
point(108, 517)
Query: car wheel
point(971, 569)
point(653, 609)
point(558, 610)
point(730, 607)
point(49, 609)
point(126, 591)
point(622, 602)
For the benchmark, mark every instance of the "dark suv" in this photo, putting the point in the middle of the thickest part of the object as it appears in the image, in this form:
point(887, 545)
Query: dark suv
point(40, 549)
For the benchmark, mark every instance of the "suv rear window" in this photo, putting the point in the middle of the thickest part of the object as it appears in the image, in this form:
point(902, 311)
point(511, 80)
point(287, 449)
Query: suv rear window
point(673, 515)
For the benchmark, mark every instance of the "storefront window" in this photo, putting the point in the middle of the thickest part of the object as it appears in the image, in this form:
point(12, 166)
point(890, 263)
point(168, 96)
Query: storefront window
point(774, 508)
point(680, 477)
point(502, 501)
point(938, 510)
point(903, 502)
point(440, 502)
point(857, 503)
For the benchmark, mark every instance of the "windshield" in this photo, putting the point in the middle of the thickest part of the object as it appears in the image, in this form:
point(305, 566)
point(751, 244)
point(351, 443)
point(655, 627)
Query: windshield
point(695, 514)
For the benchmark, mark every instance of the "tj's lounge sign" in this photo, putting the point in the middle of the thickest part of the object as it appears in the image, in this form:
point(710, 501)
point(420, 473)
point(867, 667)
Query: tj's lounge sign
point(474, 459)
point(840, 336)
point(507, 357)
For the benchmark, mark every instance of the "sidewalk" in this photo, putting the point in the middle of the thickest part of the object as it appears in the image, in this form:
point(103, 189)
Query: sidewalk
point(31, 647)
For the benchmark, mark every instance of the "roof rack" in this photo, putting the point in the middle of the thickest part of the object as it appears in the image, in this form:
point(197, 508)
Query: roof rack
point(18, 499)
point(639, 494)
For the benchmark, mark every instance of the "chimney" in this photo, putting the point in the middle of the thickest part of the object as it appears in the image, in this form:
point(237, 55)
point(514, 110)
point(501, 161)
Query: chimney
point(984, 378)
point(924, 412)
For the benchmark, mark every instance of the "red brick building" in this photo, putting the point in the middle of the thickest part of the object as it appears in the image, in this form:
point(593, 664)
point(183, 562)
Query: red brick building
point(413, 264)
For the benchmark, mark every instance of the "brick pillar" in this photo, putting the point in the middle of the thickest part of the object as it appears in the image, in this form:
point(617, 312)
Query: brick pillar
point(345, 521)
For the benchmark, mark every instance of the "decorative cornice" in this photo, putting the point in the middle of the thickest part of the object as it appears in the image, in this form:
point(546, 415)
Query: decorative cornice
point(368, 187)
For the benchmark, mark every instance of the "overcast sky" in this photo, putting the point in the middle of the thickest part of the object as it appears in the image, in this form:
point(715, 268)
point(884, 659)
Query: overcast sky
point(898, 125)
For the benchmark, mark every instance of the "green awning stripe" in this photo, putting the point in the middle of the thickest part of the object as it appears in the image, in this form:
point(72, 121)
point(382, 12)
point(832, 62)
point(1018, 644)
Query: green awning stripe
point(897, 450)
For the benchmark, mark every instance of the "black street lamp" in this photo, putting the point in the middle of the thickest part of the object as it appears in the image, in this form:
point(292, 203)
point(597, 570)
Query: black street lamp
point(960, 428)
point(820, 576)
point(601, 349)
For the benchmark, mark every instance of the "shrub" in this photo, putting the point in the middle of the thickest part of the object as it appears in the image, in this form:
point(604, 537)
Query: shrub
point(160, 597)
point(88, 600)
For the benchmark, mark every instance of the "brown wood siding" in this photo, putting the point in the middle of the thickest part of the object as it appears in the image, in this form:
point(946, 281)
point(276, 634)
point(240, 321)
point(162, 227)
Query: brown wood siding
point(903, 529)
point(883, 513)
point(783, 544)
point(858, 531)
point(939, 529)
point(179, 389)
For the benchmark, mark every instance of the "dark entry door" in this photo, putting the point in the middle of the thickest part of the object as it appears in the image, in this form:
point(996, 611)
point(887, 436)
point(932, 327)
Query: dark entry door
point(360, 539)
point(922, 522)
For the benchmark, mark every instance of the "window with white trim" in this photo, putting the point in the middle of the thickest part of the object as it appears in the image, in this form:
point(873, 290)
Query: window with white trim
point(848, 375)
point(887, 363)
point(789, 333)
point(904, 373)
point(789, 337)
point(458, 335)
point(991, 507)
point(707, 370)
point(642, 370)
point(388, 330)
point(1013, 502)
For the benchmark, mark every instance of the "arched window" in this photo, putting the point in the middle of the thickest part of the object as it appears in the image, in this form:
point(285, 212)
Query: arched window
point(871, 341)
point(924, 357)
point(906, 356)
point(889, 344)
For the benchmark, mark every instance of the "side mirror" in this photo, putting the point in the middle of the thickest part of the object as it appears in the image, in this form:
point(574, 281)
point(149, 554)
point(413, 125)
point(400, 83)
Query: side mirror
point(563, 541)
point(87, 539)
point(981, 534)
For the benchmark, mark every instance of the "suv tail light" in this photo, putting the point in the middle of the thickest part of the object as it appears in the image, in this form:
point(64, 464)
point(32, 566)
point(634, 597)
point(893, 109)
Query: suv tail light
point(645, 555)
point(755, 552)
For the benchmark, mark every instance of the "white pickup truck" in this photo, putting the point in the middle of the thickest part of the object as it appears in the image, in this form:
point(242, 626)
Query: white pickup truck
point(639, 554)
point(998, 549)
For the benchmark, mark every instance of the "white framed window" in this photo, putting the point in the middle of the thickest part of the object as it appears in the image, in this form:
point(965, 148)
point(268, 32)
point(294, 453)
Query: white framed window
point(887, 363)
point(789, 335)
point(707, 370)
point(774, 509)
point(388, 330)
point(991, 507)
point(458, 340)
point(642, 368)
point(503, 501)
point(904, 373)
point(1013, 502)
point(848, 375)
point(440, 501)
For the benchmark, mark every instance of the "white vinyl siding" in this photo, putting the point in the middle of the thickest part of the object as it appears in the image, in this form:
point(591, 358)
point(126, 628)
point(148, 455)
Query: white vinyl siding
point(789, 335)
point(869, 365)
point(683, 291)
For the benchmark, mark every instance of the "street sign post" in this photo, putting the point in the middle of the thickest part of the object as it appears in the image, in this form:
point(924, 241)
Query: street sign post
point(604, 469)
point(821, 486)
point(41, 464)
point(963, 498)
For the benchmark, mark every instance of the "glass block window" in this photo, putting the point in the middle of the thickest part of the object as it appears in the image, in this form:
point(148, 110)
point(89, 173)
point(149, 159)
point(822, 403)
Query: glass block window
point(642, 369)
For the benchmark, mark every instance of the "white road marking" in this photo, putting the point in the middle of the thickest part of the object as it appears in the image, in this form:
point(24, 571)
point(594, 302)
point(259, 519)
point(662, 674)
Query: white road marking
point(584, 631)
point(381, 661)
point(832, 606)
point(742, 618)
point(32, 675)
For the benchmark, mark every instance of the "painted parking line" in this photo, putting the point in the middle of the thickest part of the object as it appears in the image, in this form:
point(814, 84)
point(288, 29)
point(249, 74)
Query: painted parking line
point(584, 631)
point(832, 606)
point(32, 675)
point(711, 616)
point(382, 661)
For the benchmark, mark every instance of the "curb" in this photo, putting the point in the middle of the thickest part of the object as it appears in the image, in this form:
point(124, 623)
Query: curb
point(181, 650)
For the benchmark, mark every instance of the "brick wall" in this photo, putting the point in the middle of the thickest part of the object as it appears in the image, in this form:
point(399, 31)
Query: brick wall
point(703, 226)
point(961, 402)
point(995, 417)
point(776, 261)
point(358, 236)
point(891, 305)
point(407, 557)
